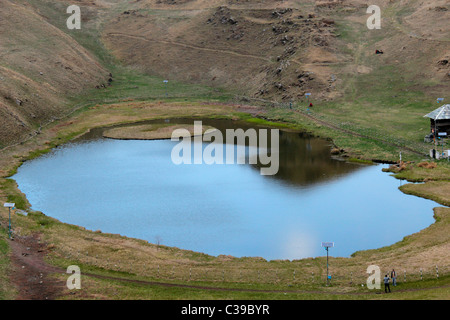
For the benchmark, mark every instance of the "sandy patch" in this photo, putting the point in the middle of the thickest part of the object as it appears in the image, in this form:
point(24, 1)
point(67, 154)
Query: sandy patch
point(152, 132)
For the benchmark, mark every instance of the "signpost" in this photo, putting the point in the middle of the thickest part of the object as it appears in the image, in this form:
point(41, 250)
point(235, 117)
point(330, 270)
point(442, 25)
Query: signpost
point(9, 206)
point(307, 99)
point(328, 245)
point(166, 82)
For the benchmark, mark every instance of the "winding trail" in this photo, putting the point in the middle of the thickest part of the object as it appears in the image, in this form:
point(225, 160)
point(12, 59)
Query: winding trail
point(180, 44)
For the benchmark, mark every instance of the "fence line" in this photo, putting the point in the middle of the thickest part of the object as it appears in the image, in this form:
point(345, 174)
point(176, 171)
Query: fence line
point(369, 133)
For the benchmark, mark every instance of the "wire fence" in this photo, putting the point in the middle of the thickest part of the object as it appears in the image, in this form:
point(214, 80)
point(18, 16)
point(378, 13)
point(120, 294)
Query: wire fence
point(418, 147)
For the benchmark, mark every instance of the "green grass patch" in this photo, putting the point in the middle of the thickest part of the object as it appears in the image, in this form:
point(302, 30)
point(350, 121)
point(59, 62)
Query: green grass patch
point(362, 161)
point(7, 291)
point(42, 220)
point(9, 187)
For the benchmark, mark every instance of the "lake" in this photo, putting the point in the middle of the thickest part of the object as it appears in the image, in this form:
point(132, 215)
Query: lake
point(132, 188)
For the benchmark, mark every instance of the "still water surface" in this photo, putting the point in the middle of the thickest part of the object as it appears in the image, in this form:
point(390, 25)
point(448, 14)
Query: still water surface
point(132, 188)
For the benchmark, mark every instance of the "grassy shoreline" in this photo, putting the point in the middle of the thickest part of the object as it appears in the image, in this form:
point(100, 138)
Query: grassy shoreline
point(172, 260)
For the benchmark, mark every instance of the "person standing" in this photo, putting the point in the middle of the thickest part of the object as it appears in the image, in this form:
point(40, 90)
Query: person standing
point(386, 284)
point(394, 277)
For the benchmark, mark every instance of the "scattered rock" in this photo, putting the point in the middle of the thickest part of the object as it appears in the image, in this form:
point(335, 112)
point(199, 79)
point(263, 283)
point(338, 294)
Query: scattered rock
point(440, 9)
point(279, 86)
point(335, 151)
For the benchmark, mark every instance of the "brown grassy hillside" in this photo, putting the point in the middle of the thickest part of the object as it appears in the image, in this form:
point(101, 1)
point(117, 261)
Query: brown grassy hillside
point(283, 49)
point(271, 49)
point(40, 67)
point(255, 47)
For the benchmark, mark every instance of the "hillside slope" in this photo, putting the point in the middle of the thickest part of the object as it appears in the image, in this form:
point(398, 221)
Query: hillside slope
point(269, 49)
point(41, 67)
point(284, 49)
point(261, 48)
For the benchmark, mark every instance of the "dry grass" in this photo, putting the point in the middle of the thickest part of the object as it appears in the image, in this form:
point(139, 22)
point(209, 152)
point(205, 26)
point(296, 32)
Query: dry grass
point(150, 132)
point(438, 191)
point(427, 165)
point(41, 66)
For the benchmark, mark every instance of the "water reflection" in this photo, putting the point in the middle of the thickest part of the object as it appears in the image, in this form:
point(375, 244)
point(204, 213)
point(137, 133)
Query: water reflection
point(304, 159)
point(133, 188)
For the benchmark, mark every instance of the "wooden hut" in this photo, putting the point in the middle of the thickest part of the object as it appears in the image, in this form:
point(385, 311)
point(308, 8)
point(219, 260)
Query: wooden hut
point(440, 121)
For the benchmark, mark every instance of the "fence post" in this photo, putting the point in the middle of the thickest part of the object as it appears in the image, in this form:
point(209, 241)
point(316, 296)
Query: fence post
point(294, 275)
point(404, 275)
point(421, 274)
point(437, 272)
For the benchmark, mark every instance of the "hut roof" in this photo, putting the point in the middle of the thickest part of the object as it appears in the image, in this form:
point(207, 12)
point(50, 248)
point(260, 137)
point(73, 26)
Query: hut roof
point(442, 113)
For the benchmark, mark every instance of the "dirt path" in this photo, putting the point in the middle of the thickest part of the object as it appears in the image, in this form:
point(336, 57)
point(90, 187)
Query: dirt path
point(30, 272)
point(243, 55)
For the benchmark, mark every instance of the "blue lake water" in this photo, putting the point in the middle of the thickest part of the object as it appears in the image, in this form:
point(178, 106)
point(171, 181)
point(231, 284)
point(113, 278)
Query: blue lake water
point(133, 188)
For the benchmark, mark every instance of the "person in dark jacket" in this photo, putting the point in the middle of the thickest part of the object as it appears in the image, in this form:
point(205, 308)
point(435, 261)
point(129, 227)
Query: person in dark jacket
point(386, 284)
point(394, 277)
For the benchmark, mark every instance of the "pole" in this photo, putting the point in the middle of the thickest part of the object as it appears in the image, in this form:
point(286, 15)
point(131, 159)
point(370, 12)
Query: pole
point(435, 136)
point(9, 227)
point(328, 279)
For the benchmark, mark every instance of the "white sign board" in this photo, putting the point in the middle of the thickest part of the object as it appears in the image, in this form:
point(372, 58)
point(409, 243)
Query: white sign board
point(328, 244)
point(9, 205)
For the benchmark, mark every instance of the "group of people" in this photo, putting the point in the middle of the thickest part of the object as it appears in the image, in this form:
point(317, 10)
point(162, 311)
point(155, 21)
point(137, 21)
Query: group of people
point(387, 279)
